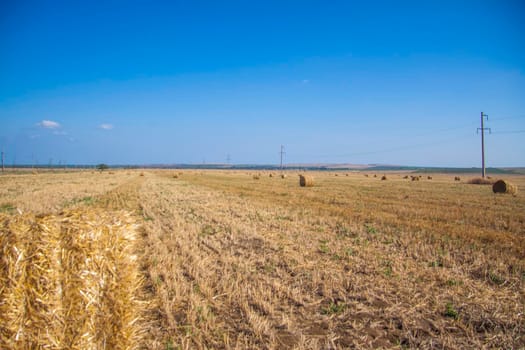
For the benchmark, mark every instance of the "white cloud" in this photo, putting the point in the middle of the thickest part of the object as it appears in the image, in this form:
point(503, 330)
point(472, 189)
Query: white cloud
point(48, 124)
point(105, 126)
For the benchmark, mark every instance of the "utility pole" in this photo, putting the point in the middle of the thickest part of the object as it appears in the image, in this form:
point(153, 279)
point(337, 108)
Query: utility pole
point(3, 161)
point(483, 115)
point(282, 153)
point(228, 159)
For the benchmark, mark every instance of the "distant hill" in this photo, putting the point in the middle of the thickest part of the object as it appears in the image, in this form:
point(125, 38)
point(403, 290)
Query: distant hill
point(445, 170)
point(339, 167)
point(300, 166)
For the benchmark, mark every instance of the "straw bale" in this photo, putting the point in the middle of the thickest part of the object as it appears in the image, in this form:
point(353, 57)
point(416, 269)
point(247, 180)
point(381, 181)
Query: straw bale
point(69, 281)
point(383, 177)
point(256, 177)
point(480, 181)
point(306, 181)
point(28, 302)
point(283, 176)
point(502, 186)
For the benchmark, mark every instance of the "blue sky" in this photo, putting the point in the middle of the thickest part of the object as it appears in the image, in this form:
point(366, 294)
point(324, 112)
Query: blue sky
point(194, 81)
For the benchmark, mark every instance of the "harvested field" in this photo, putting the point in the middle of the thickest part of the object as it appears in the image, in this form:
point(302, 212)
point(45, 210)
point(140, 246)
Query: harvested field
point(352, 262)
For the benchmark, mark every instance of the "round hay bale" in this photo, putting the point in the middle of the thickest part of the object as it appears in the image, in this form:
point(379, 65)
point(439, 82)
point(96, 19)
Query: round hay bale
point(502, 186)
point(283, 176)
point(271, 175)
point(256, 177)
point(366, 175)
point(375, 175)
point(141, 174)
point(429, 177)
point(405, 177)
point(457, 178)
point(306, 181)
point(175, 176)
point(383, 177)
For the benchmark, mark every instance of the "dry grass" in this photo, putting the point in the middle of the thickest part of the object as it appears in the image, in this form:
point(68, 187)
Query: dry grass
point(69, 281)
point(229, 262)
point(51, 192)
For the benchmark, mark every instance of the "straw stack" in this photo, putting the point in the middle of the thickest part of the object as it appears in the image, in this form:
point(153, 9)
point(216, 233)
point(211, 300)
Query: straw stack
point(69, 281)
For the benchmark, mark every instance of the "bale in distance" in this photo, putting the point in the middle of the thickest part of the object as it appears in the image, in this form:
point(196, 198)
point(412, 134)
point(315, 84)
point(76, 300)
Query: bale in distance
point(502, 186)
point(480, 181)
point(256, 177)
point(283, 176)
point(429, 177)
point(405, 177)
point(383, 178)
point(306, 181)
point(414, 178)
point(457, 178)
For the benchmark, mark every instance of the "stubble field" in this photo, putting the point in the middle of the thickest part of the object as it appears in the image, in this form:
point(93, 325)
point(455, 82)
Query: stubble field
point(229, 261)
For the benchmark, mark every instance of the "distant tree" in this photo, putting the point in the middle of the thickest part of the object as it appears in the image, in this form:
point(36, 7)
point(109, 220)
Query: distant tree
point(102, 167)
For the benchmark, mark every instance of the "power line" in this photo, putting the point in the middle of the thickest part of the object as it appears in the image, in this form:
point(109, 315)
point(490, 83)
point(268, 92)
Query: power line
point(509, 117)
point(483, 116)
point(388, 150)
point(282, 154)
point(508, 132)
